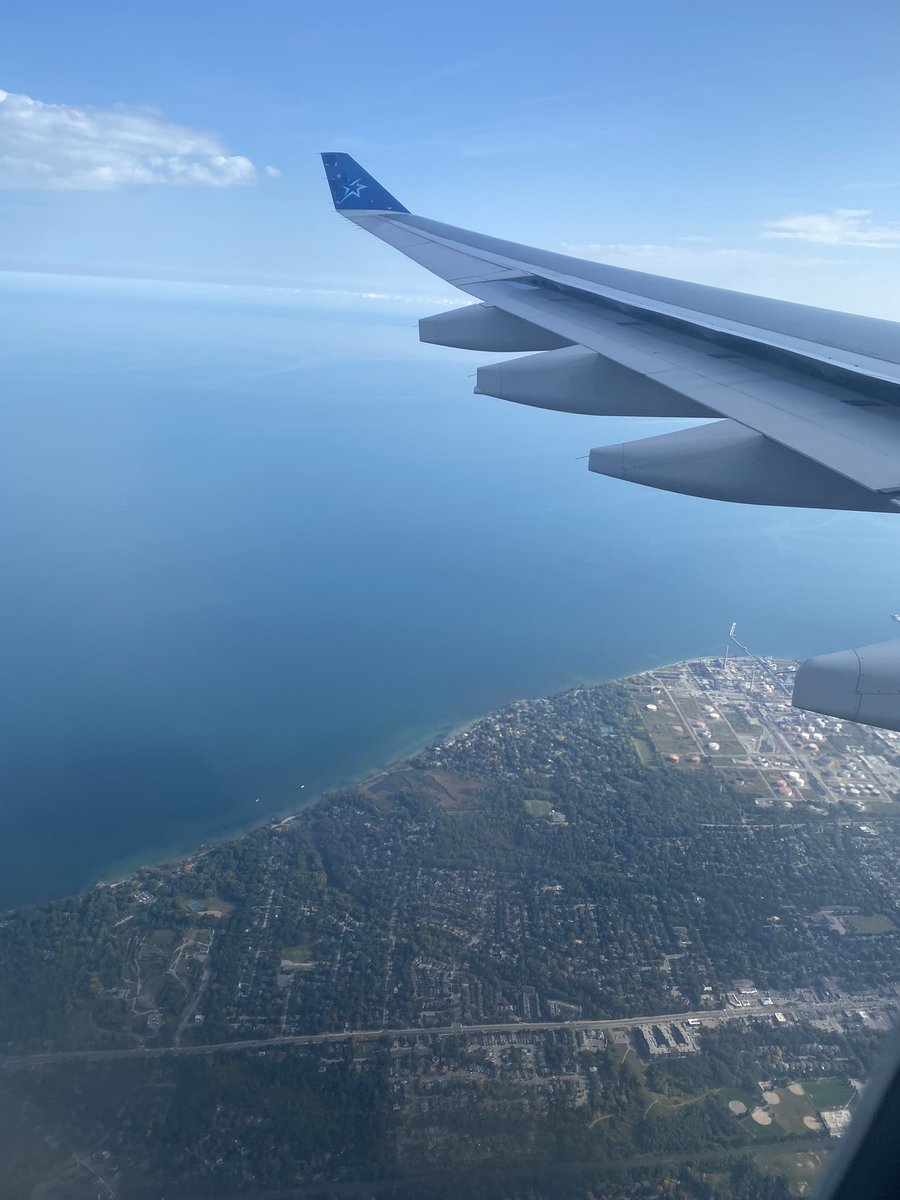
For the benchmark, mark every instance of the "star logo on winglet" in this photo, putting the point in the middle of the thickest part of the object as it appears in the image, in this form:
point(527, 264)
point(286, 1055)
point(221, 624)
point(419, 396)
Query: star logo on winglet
point(353, 189)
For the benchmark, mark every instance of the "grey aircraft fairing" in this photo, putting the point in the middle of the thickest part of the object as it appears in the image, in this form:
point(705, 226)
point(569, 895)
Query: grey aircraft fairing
point(805, 402)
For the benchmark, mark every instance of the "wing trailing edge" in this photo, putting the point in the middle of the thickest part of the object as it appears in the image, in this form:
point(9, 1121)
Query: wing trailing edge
point(819, 389)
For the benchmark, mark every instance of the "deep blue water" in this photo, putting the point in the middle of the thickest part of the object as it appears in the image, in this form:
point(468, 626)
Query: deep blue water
point(251, 541)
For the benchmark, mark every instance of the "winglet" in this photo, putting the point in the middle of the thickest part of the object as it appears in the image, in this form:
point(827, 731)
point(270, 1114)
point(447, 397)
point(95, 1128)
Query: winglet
point(354, 188)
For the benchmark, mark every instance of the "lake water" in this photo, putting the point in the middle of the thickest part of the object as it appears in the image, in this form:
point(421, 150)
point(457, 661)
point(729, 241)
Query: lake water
point(256, 540)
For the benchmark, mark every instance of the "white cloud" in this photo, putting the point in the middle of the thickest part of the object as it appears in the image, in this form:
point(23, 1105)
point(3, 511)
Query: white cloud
point(57, 147)
point(273, 172)
point(842, 227)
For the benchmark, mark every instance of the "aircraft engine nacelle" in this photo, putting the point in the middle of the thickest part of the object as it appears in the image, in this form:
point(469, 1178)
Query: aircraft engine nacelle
point(479, 327)
point(857, 685)
point(576, 380)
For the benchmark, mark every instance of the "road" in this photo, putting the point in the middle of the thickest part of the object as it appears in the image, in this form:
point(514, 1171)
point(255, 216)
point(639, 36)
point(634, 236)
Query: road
point(705, 1016)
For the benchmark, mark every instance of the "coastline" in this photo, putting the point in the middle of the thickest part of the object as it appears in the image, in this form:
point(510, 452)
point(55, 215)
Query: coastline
point(173, 857)
point(284, 816)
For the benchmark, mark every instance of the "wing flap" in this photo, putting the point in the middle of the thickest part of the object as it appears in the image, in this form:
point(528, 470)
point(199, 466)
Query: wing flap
point(817, 420)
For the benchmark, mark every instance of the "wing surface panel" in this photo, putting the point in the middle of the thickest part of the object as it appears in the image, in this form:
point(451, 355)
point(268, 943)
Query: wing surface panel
point(722, 318)
point(824, 386)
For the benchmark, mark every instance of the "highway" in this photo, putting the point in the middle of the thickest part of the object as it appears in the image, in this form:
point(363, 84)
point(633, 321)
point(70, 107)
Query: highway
point(705, 1016)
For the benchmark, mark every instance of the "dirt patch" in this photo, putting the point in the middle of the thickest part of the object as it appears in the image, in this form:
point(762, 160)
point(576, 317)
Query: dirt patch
point(771, 1098)
point(383, 787)
point(812, 1123)
point(796, 1088)
point(737, 1107)
point(761, 1117)
point(453, 793)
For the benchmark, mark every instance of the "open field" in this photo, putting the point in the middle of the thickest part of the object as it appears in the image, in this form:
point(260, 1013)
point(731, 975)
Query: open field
point(829, 1093)
point(877, 923)
point(451, 791)
point(802, 1168)
point(726, 1095)
point(212, 905)
point(537, 808)
point(298, 953)
point(163, 939)
point(791, 1110)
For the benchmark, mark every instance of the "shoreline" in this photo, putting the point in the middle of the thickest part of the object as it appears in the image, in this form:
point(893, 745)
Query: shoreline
point(284, 817)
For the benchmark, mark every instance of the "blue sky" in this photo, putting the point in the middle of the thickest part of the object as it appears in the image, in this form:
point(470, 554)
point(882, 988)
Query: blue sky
point(752, 146)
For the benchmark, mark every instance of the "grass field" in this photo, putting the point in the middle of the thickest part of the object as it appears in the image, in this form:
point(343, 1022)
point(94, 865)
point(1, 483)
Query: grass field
point(213, 904)
point(791, 1110)
point(873, 924)
point(738, 721)
point(829, 1093)
point(787, 1115)
point(747, 1098)
point(761, 1133)
point(297, 954)
point(753, 781)
point(802, 1169)
point(644, 751)
point(537, 808)
point(164, 939)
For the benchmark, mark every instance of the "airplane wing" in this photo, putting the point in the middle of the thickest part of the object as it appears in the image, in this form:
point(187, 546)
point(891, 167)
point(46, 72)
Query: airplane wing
point(808, 399)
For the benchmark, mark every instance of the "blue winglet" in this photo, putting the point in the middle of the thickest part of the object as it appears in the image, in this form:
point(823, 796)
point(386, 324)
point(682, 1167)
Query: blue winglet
point(354, 188)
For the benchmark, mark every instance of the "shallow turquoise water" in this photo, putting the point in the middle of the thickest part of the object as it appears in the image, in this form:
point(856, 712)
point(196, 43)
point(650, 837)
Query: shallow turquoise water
point(251, 541)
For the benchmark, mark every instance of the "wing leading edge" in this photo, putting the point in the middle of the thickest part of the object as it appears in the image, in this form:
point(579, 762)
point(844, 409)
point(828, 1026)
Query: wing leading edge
point(807, 400)
point(821, 387)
